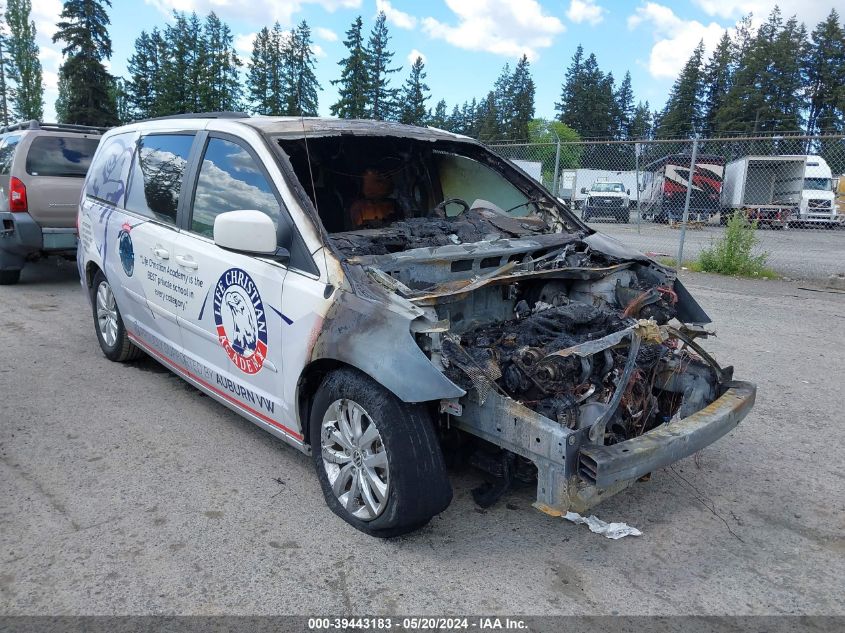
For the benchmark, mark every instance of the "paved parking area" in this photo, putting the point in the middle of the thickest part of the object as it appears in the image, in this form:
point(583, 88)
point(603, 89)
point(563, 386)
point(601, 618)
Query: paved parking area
point(795, 253)
point(126, 491)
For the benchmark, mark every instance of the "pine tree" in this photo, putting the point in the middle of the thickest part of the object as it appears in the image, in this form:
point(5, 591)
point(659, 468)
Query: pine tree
point(587, 102)
point(354, 76)
point(219, 88)
point(145, 76)
point(469, 112)
point(767, 90)
point(455, 122)
point(258, 73)
point(301, 84)
point(825, 72)
point(4, 104)
point(716, 80)
point(438, 118)
point(120, 96)
point(414, 95)
point(624, 108)
point(521, 101)
point(23, 67)
point(641, 122)
point(488, 119)
point(381, 98)
point(84, 30)
point(682, 113)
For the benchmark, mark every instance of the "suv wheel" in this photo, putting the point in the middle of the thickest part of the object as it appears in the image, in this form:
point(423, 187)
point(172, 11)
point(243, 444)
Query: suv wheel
point(377, 458)
point(108, 324)
point(9, 277)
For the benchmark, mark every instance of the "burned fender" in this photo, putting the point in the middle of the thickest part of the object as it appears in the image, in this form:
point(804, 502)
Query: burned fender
point(373, 334)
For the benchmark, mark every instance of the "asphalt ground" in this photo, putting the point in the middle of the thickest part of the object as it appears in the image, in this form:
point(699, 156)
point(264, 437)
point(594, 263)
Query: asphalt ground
point(796, 253)
point(126, 491)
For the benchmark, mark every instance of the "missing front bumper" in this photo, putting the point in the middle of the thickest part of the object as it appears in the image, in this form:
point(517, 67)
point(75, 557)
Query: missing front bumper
point(573, 474)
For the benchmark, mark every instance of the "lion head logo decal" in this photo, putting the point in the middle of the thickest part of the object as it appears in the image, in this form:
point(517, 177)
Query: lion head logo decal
point(240, 320)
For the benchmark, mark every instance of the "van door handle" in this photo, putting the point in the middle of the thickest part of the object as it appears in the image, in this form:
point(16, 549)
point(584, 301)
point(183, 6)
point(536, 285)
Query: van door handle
point(159, 252)
point(186, 262)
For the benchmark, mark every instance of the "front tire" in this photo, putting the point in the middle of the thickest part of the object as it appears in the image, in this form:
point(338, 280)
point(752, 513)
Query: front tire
point(108, 324)
point(377, 458)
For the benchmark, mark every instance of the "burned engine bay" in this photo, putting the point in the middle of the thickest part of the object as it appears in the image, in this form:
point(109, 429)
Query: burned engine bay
point(579, 337)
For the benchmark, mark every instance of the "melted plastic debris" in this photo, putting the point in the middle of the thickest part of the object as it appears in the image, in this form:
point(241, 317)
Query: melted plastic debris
point(609, 530)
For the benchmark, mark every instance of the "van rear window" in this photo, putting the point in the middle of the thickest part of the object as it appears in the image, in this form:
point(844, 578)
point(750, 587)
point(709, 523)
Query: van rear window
point(60, 156)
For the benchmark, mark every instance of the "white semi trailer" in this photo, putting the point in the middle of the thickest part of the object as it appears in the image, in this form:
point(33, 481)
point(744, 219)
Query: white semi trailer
point(765, 188)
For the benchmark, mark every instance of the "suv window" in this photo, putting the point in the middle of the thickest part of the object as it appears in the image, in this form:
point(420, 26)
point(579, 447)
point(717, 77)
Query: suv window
point(60, 156)
point(7, 153)
point(230, 179)
point(157, 175)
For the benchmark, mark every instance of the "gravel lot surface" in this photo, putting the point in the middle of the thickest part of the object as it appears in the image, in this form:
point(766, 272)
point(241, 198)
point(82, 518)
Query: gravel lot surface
point(795, 253)
point(125, 491)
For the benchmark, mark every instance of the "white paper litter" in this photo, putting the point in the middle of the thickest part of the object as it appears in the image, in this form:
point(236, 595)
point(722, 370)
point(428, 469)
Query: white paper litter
point(610, 530)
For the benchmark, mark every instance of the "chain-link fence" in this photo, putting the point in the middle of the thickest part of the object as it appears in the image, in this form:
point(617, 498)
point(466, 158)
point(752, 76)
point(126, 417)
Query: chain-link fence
point(793, 187)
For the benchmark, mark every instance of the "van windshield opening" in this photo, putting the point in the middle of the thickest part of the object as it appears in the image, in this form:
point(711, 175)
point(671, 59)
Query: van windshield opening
point(818, 184)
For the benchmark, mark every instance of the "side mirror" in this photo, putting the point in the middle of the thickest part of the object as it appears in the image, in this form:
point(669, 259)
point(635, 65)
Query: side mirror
point(629, 192)
point(583, 190)
point(249, 232)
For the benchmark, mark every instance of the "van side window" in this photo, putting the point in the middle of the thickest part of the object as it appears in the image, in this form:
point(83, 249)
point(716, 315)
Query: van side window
point(157, 174)
point(230, 179)
point(7, 153)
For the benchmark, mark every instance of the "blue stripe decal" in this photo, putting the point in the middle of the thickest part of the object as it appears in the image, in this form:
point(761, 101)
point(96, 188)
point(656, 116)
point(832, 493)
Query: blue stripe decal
point(284, 318)
point(204, 301)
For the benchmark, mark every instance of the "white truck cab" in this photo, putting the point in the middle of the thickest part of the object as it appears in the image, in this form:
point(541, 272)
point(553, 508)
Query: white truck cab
point(607, 199)
point(817, 197)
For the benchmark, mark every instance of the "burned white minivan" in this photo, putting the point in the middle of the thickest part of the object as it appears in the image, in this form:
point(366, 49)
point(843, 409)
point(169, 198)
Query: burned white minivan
point(376, 294)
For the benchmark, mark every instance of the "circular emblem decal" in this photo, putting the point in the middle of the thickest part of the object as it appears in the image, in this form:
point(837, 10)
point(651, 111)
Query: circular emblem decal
point(126, 251)
point(239, 316)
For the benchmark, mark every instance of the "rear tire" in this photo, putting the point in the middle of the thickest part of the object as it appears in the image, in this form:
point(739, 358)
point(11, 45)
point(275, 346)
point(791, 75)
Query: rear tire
point(108, 324)
point(392, 479)
point(9, 277)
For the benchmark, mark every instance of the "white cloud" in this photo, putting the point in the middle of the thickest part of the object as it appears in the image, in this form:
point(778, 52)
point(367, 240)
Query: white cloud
point(585, 11)
point(258, 11)
point(243, 43)
point(396, 17)
point(675, 38)
point(326, 34)
point(503, 27)
point(810, 12)
point(412, 57)
point(318, 50)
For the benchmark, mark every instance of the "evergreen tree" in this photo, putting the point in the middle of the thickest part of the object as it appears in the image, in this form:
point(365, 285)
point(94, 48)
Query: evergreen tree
point(84, 30)
point(624, 108)
point(219, 86)
point(145, 76)
point(354, 76)
point(641, 122)
point(825, 73)
point(183, 65)
point(438, 118)
point(503, 103)
point(469, 113)
point(276, 77)
point(301, 84)
point(381, 98)
point(488, 119)
point(259, 70)
point(120, 96)
point(587, 102)
point(767, 91)
point(716, 80)
point(414, 95)
point(22, 65)
point(455, 122)
point(62, 100)
point(4, 104)
point(522, 101)
point(683, 108)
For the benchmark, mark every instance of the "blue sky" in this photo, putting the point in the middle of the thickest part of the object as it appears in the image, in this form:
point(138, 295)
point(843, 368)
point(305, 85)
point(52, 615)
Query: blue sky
point(465, 43)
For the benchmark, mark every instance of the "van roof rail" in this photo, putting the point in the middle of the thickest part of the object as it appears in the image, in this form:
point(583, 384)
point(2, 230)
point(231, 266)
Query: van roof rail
point(53, 127)
point(201, 115)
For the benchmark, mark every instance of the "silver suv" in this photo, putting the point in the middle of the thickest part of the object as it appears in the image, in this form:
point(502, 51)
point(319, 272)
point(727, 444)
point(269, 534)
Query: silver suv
point(42, 167)
point(373, 292)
